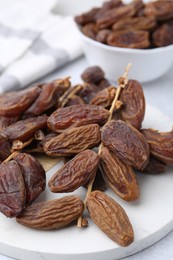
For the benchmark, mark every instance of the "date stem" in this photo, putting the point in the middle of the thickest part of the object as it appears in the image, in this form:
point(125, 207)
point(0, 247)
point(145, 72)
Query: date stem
point(19, 145)
point(68, 95)
point(122, 81)
point(10, 156)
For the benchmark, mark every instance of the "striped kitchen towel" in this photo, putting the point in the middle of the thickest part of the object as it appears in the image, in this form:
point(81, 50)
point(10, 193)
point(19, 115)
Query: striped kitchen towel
point(33, 42)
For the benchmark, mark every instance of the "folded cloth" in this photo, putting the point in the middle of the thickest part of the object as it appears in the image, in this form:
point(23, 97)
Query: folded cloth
point(33, 42)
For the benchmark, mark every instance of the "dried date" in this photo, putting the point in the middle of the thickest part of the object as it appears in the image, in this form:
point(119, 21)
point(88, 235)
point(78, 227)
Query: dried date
point(135, 23)
point(102, 35)
point(48, 97)
point(109, 17)
point(104, 97)
point(76, 115)
point(110, 217)
point(119, 176)
point(13, 104)
point(93, 74)
point(162, 10)
point(133, 100)
point(90, 30)
point(34, 176)
point(24, 129)
point(88, 17)
point(163, 36)
point(73, 141)
point(75, 173)
point(161, 144)
point(52, 214)
point(12, 189)
point(126, 142)
point(129, 39)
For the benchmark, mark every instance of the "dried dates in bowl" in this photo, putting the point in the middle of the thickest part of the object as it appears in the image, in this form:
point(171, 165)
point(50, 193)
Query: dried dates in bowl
point(136, 25)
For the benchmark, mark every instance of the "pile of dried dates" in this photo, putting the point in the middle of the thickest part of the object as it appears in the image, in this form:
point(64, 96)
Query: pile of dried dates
point(135, 25)
point(97, 129)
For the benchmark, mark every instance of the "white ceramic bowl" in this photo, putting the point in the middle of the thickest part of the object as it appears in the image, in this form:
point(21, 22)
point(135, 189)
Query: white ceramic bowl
point(147, 64)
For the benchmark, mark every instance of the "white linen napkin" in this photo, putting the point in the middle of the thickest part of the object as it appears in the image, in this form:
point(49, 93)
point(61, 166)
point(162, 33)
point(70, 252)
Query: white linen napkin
point(33, 42)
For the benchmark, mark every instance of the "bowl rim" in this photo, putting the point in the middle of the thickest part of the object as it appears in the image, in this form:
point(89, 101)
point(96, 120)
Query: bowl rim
point(125, 50)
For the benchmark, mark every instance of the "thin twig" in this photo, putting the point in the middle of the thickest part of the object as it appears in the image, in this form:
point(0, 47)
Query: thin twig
point(121, 84)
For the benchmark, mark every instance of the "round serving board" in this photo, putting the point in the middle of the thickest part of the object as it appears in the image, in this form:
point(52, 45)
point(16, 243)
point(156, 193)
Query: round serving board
point(151, 217)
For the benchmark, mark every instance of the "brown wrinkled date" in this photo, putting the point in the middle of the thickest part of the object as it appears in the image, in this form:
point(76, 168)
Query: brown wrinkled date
point(33, 174)
point(126, 142)
point(93, 74)
point(132, 110)
point(75, 173)
point(129, 39)
point(110, 217)
point(24, 129)
point(163, 36)
point(104, 97)
point(48, 97)
point(15, 103)
point(109, 17)
point(162, 10)
point(52, 214)
point(12, 189)
point(76, 115)
point(119, 176)
point(73, 141)
point(134, 25)
point(161, 144)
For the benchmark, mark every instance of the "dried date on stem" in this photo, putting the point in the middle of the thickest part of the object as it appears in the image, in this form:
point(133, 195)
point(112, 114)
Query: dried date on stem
point(133, 99)
point(12, 189)
point(48, 97)
point(129, 39)
point(13, 104)
point(73, 141)
point(51, 214)
point(126, 142)
point(24, 129)
point(5, 148)
point(110, 217)
point(119, 176)
point(34, 176)
point(76, 115)
point(104, 97)
point(75, 173)
point(161, 144)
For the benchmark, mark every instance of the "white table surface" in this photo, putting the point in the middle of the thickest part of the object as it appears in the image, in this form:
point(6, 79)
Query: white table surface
point(158, 93)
